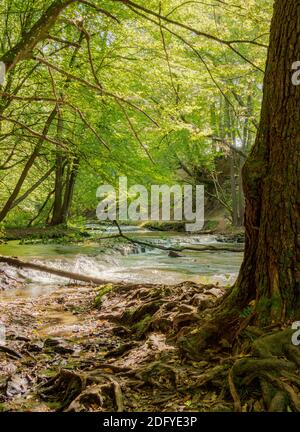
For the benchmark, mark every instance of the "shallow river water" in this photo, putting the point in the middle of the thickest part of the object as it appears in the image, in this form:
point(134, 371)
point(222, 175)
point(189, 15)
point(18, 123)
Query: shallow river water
point(128, 264)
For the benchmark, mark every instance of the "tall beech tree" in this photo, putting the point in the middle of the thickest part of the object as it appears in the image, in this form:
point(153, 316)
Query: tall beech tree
point(269, 279)
point(270, 272)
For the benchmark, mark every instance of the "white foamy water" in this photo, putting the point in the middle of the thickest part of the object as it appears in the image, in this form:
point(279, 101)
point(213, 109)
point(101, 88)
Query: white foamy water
point(128, 263)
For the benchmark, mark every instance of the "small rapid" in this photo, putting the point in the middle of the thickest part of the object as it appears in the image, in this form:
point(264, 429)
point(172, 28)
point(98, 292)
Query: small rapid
point(126, 262)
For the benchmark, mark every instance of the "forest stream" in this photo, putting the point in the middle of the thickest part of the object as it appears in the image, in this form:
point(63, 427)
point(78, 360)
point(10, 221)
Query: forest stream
point(127, 262)
point(54, 325)
point(149, 208)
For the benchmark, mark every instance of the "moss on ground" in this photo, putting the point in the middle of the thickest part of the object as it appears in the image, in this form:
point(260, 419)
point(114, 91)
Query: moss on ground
point(105, 289)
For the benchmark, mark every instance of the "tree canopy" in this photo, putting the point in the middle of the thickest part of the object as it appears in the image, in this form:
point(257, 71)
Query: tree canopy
point(95, 90)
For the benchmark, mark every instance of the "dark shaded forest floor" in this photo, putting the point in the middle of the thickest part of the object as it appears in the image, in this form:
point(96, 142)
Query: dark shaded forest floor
point(108, 349)
point(115, 348)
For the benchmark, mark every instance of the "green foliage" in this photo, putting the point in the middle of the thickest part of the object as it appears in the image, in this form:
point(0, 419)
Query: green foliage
point(140, 98)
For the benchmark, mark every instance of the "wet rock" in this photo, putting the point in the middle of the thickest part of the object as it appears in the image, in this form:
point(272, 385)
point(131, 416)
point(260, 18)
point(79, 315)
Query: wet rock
point(231, 238)
point(8, 281)
point(10, 351)
point(19, 338)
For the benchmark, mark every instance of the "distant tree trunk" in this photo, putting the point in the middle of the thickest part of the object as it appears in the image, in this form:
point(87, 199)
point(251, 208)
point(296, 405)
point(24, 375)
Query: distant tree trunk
point(63, 199)
point(64, 189)
point(69, 190)
point(230, 135)
point(59, 177)
point(246, 144)
point(59, 187)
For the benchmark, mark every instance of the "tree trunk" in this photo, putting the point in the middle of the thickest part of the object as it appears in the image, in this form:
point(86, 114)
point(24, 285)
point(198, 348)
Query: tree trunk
point(59, 177)
point(231, 137)
point(69, 190)
point(270, 273)
point(63, 200)
point(234, 201)
point(241, 198)
point(15, 262)
point(59, 174)
point(246, 144)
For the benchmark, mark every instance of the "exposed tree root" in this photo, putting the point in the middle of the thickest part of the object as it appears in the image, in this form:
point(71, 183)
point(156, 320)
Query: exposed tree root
point(80, 392)
point(270, 367)
point(11, 352)
point(233, 392)
point(63, 388)
point(134, 356)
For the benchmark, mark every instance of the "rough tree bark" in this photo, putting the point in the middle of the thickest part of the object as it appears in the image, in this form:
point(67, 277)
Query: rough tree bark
point(270, 273)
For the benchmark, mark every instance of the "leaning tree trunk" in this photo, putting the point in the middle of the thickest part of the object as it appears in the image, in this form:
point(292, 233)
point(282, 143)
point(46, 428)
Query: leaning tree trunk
point(270, 275)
